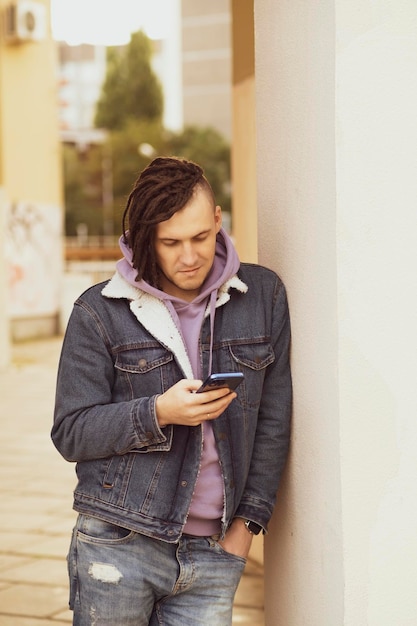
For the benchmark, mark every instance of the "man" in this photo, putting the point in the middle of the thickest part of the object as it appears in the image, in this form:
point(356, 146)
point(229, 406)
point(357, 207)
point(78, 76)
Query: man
point(172, 484)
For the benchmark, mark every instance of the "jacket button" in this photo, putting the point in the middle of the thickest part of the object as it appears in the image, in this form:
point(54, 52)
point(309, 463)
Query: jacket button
point(142, 362)
point(184, 483)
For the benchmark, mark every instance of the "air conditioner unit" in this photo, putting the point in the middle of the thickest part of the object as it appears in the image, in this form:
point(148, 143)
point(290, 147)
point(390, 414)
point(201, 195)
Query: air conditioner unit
point(25, 20)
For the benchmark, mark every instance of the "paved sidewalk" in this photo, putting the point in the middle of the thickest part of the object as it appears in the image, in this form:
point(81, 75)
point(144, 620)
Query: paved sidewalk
point(36, 501)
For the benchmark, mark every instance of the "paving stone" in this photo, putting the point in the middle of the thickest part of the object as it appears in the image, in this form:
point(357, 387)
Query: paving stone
point(9, 561)
point(40, 571)
point(248, 616)
point(62, 525)
point(31, 522)
point(31, 600)
point(9, 620)
point(44, 546)
point(16, 541)
point(63, 616)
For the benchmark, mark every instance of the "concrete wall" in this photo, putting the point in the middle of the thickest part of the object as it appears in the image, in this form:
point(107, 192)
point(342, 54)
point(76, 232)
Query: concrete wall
point(4, 317)
point(243, 147)
point(336, 96)
point(30, 175)
point(29, 117)
point(377, 255)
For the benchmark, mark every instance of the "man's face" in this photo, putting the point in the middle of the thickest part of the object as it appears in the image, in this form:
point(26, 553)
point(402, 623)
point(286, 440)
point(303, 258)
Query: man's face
point(185, 246)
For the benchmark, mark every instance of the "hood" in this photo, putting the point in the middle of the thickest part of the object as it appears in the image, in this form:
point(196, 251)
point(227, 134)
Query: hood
point(226, 264)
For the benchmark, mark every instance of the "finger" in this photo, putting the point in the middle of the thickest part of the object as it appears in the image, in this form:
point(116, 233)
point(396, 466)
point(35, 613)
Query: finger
point(213, 409)
point(193, 385)
point(206, 417)
point(214, 394)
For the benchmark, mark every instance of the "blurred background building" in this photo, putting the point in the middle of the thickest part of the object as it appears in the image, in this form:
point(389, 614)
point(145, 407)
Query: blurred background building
point(193, 63)
point(55, 86)
point(82, 70)
point(30, 171)
point(207, 63)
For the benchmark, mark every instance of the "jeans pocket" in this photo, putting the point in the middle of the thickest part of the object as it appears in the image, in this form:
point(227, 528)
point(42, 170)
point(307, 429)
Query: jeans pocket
point(97, 530)
point(219, 548)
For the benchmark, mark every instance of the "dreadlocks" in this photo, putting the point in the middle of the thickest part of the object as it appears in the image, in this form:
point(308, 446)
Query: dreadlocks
point(163, 188)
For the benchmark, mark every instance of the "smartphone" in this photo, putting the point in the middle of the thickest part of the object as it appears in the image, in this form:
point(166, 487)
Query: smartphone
point(218, 381)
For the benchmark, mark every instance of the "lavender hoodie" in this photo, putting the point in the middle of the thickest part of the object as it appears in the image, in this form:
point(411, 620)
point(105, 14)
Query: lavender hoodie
point(207, 503)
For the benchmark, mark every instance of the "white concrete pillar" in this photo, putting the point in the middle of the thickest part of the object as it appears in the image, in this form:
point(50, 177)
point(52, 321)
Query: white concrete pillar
point(337, 160)
point(376, 158)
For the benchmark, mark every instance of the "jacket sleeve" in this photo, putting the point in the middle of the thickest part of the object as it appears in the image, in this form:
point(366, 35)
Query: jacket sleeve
point(87, 424)
point(272, 437)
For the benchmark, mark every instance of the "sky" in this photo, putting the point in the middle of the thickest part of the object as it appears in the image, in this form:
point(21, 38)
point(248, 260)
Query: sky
point(108, 22)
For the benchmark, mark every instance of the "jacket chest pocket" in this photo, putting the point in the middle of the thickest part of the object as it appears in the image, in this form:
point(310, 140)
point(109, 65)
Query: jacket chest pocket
point(253, 360)
point(145, 370)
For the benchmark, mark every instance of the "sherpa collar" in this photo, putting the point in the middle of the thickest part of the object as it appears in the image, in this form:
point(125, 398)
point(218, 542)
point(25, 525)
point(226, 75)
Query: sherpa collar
point(154, 315)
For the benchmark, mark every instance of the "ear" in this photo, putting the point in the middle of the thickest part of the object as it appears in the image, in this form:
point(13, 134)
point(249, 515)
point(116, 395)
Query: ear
point(218, 218)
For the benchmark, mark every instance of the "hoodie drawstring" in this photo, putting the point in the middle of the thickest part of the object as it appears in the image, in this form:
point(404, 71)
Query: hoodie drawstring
point(213, 298)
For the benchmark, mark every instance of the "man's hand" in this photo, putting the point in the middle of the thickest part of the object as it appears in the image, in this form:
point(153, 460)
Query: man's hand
point(238, 539)
point(180, 405)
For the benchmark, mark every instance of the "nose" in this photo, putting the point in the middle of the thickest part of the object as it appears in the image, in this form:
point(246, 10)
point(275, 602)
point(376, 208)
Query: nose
point(188, 254)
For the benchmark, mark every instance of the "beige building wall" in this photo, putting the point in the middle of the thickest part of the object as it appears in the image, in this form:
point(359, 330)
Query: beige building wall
point(206, 64)
point(336, 96)
point(4, 317)
point(243, 152)
point(30, 176)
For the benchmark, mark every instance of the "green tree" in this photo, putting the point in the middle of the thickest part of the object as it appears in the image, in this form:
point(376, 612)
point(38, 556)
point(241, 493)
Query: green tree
point(130, 148)
point(83, 189)
point(131, 89)
point(130, 108)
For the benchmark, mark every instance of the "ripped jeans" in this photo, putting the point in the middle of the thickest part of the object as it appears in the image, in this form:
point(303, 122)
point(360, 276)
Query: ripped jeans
point(122, 578)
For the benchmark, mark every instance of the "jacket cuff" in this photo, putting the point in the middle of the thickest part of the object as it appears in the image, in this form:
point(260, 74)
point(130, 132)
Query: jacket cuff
point(149, 436)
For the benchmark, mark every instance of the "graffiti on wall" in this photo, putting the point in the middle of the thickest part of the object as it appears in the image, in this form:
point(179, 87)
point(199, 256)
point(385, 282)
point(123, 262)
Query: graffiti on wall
point(33, 258)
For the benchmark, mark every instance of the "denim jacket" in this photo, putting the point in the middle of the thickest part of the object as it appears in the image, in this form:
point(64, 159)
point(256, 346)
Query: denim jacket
point(120, 351)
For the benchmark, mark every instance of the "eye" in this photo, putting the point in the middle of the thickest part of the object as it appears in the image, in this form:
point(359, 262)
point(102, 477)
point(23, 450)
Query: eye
point(202, 237)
